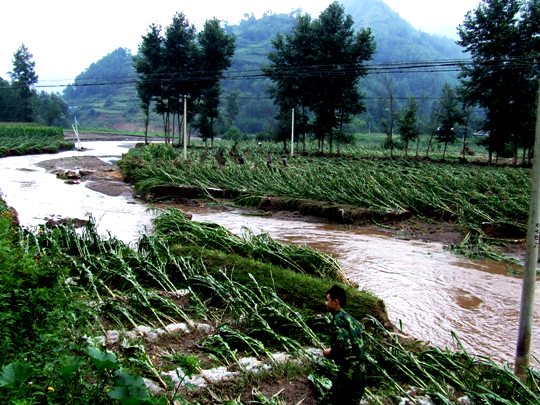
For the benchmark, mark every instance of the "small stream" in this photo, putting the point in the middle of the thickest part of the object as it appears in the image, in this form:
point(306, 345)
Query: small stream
point(427, 290)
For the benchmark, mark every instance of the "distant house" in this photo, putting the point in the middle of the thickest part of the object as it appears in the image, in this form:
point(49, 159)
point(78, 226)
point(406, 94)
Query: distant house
point(481, 133)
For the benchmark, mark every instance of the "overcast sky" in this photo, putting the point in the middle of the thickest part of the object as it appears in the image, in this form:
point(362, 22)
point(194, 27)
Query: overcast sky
point(66, 36)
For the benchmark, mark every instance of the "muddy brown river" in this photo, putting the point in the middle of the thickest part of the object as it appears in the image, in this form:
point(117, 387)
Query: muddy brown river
point(429, 291)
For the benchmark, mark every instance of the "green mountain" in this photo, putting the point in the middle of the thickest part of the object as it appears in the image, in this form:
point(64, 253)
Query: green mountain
point(98, 104)
point(104, 96)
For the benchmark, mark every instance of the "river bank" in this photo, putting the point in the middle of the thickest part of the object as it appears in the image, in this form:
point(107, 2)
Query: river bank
point(430, 292)
point(105, 178)
point(504, 241)
point(396, 260)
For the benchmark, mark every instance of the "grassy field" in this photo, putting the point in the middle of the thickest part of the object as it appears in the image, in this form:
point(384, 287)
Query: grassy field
point(26, 139)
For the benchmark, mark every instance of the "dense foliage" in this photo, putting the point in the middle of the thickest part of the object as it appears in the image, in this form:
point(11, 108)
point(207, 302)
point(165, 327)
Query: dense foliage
point(316, 70)
point(20, 102)
point(183, 64)
point(503, 38)
point(23, 77)
point(476, 197)
point(60, 286)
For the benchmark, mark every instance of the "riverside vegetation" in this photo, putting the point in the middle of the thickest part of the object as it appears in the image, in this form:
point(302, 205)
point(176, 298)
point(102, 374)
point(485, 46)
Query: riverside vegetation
point(67, 292)
point(24, 139)
point(64, 289)
point(488, 204)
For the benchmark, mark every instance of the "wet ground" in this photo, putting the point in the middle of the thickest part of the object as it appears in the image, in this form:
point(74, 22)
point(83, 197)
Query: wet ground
point(428, 290)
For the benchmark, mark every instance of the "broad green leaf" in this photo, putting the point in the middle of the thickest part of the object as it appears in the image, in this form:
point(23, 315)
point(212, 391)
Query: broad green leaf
point(69, 364)
point(129, 389)
point(15, 374)
point(103, 360)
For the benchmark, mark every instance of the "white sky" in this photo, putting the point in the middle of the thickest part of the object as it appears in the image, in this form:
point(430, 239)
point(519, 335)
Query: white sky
point(66, 36)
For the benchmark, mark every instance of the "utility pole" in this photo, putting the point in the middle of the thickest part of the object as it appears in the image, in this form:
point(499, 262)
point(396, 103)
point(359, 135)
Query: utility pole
point(185, 127)
point(292, 134)
point(75, 127)
point(523, 348)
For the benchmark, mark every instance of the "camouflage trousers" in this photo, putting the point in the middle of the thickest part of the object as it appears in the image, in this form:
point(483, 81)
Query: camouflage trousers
point(348, 388)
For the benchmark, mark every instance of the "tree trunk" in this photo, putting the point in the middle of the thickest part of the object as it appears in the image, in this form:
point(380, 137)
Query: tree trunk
point(444, 151)
point(429, 145)
point(212, 131)
point(146, 119)
point(464, 144)
point(174, 129)
point(303, 130)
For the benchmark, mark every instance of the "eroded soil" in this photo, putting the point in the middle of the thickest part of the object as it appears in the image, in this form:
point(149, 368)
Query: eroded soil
point(96, 174)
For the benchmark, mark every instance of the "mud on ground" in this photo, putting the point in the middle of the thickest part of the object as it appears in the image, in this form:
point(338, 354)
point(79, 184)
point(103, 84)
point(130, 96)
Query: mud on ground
point(97, 175)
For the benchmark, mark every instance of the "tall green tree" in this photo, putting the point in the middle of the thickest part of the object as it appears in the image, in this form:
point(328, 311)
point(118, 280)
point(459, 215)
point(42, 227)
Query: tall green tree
point(502, 38)
point(319, 66)
point(292, 63)
point(448, 114)
point(183, 64)
point(342, 53)
point(7, 101)
point(23, 79)
point(147, 64)
point(408, 124)
point(179, 66)
point(216, 51)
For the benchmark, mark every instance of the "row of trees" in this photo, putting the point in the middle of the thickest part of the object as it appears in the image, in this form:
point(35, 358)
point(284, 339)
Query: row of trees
point(503, 39)
point(315, 70)
point(180, 65)
point(20, 102)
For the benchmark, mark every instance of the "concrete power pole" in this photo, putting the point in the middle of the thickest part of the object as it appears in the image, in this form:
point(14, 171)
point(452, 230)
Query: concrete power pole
point(523, 348)
point(185, 127)
point(292, 134)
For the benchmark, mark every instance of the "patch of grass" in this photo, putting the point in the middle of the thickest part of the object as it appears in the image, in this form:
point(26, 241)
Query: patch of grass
point(24, 139)
point(174, 227)
point(302, 291)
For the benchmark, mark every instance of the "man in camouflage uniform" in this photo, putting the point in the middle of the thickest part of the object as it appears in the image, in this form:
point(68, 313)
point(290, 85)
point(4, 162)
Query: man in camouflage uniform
point(346, 349)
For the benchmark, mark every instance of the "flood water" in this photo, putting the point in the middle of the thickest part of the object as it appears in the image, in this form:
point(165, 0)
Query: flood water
point(428, 291)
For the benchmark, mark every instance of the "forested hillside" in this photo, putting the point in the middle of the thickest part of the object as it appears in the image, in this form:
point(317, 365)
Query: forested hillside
point(98, 103)
point(103, 96)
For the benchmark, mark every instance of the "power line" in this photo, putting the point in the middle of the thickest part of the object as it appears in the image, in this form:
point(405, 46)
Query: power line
point(305, 71)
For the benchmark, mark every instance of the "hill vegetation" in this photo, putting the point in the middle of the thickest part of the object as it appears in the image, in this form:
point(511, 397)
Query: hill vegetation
point(116, 105)
point(104, 96)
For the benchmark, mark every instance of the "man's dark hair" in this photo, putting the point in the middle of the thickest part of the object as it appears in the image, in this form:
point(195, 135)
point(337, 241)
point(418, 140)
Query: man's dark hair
point(338, 293)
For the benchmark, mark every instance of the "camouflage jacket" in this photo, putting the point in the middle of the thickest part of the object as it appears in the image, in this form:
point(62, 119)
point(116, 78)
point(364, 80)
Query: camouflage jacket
point(346, 339)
